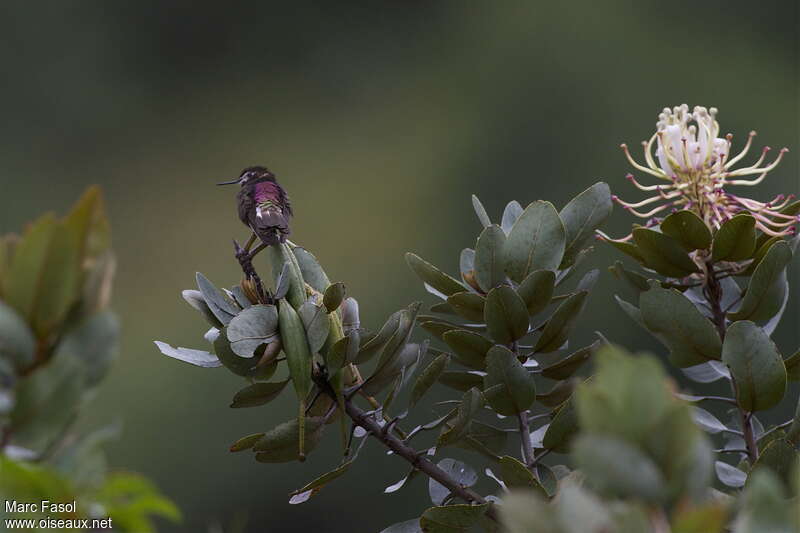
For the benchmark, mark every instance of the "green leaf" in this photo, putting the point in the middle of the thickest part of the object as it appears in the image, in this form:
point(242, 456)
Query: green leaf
point(517, 390)
point(766, 292)
point(251, 328)
point(618, 469)
point(334, 296)
point(676, 322)
point(764, 506)
point(433, 276)
point(460, 472)
point(466, 264)
point(282, 285)
point(633, 312)
point(582, 511)
point(470, 348)
point(316, 323)
point(635, 280)
point(245, 443)
point(406, 356)
point(663, 254)
point(280, 444)
point(302, 495)
point(628, 248)
point(241, 366)
point(510, 215)
point(755, 365)
point(779, 456)
point(729, 475)
point(94, 342)
point(312, 272)
point(258, 394)
point(343, 351)
point(428, 377)
point(582, 216)
point(481, 212)
point(458, 426)
point(627, 397)
point(468, 305)
point(566, 367)
point(220, 306)
point(451, 518)
point(17, 344)
point(461, 381)
point(196, 300)
point(81, 458)
point(557, 395)
point(485, 439)
point(23, 281)
point(760, 253)
point(735, 240)
point(526, 512)
point(372, 345)
point(131, 501)
point(559, 326)
point(399, 338)
point(489, 258)
point(286, 269)
point(517, 475)
point(437, 327)
point(688, 229)
point(506, 315)
point(562, 429)
point(60, 283)
point(199, 358)
point(535, 242)
point(295, 346)
point(46, 402)
point(536, 290)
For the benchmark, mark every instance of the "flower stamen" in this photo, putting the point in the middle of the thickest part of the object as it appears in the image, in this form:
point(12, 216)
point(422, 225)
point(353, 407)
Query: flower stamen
point(687, 151)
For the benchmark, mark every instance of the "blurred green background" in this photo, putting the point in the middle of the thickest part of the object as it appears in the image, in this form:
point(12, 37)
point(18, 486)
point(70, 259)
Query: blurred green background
point(380, 119)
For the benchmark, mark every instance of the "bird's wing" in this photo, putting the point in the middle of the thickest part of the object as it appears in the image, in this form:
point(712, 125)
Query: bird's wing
point(270, 217)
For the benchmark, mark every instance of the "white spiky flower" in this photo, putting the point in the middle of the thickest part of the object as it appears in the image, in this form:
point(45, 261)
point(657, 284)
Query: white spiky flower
point(687, 152)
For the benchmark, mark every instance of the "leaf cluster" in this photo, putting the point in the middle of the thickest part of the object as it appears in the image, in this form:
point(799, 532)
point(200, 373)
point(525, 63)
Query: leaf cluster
point(57, 341)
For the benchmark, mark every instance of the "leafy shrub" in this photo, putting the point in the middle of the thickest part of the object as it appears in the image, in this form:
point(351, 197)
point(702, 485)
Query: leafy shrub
point(57, 341)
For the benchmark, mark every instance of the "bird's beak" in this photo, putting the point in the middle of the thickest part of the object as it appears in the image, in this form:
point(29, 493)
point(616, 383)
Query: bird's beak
point(229, 182)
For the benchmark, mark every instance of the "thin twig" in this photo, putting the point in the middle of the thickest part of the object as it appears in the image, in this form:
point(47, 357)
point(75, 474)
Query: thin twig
point(779, 426)
point(417, 460)
point(540, 456)
point(525, 437)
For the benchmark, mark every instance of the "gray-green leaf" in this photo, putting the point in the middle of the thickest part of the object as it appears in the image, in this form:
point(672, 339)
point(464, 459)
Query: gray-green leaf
point(516, 390)
point(506, 315)
point(535, 242)
point(676, 322)
point(755, 365)
point(489, 258)
point(767, 289)
point(582, 216)
point(251, 328)
point(735, 240)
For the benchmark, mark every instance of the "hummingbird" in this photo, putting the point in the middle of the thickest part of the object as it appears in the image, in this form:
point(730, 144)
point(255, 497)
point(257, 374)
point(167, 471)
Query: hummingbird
point(263, 205)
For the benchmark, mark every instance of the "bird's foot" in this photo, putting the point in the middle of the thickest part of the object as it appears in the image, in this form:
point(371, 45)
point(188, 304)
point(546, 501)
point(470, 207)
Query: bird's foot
point(245, 259)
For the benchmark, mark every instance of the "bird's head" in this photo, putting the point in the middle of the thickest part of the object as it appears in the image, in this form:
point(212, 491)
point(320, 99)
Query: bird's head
point(250, 175)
